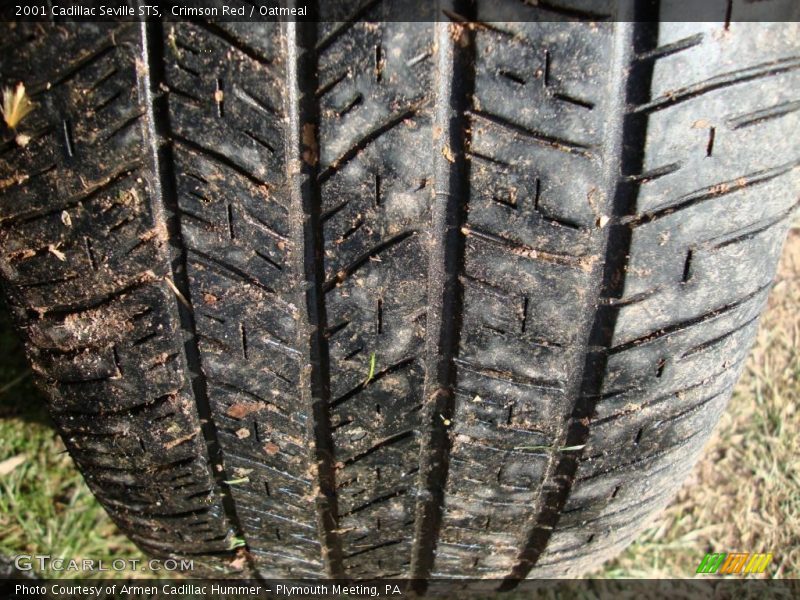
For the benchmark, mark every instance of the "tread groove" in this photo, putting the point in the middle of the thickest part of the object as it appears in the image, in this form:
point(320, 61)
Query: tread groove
point(634, 79)
point(232, 40)
point(166, 209)
point(346, 156)
point(453, 96)
point(681, 325)
point(304, 177)
point(552, 141)
point(720, 82)
point(713, 191)
point(764, 114)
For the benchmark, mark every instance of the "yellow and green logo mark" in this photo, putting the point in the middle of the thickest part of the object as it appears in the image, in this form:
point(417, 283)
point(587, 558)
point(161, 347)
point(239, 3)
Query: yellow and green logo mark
point(734, 563)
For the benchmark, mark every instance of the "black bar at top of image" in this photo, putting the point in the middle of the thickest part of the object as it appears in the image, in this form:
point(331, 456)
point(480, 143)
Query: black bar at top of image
point(255, 11)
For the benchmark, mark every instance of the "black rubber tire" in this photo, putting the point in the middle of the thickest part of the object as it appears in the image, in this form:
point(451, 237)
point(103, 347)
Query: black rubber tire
point(394, 299)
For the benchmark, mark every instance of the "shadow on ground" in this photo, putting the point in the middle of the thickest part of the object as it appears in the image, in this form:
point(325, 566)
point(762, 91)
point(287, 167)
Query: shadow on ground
point(19, 397)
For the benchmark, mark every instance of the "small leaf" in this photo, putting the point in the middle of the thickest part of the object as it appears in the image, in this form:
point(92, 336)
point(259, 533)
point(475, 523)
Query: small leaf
point(236, 542)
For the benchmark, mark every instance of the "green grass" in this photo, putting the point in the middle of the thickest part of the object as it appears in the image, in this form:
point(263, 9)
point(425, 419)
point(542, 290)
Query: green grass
point(741, 496)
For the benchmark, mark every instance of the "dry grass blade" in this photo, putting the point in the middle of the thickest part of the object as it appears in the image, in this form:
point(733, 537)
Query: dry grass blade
point(177, 292)
point(16, 105)
point(9, 464)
